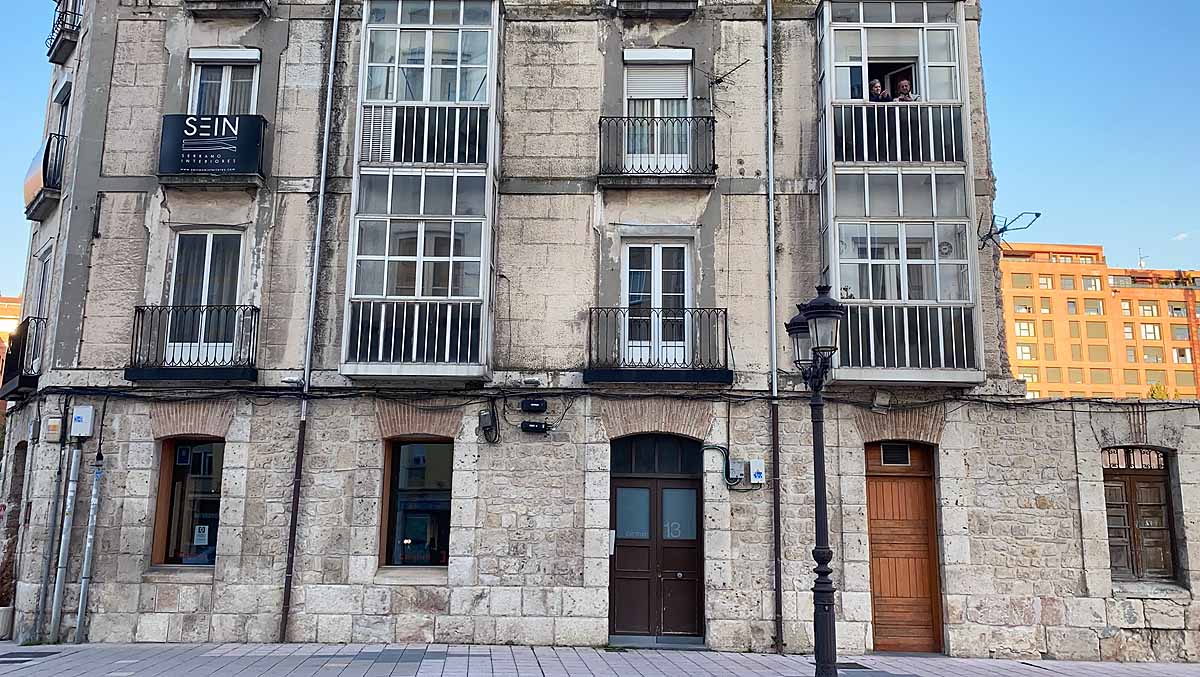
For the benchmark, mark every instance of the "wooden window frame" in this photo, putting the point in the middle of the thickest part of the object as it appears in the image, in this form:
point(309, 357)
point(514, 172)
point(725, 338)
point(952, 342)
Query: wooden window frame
point(1129, 477)
point(162, 500)
point(385, 501)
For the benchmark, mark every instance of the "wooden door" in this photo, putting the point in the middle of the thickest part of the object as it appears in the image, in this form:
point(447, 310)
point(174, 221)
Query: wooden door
point(656, 585)
point(905, 592)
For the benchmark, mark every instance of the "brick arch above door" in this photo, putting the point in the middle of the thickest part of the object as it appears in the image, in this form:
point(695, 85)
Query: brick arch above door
point(922, 424)
point(204, 418)
point(691, 419)
point(434, 418)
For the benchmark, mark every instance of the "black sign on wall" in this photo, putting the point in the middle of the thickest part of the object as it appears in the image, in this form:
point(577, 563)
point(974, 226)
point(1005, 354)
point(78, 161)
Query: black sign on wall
point(211, 144)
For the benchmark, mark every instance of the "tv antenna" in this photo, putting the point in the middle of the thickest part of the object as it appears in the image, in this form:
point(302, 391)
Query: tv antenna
point(1002, 225)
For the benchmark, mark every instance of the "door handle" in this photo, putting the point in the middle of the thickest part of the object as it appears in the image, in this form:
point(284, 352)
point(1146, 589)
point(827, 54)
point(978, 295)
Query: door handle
point(678, 574)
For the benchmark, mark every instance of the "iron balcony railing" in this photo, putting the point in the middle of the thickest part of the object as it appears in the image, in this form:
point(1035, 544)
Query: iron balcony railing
point(46, 170)
point(194, 337)
point(65, 19)
point(23, 359)
point(425, 134)
point(658, 146)
point(658, 338)
point(909, 337)
point(415, 332)
point(898, 132)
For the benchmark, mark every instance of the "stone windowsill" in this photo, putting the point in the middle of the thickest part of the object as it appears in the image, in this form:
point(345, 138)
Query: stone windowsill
point(166, 573)
point(1150, 590)
point(412, 576)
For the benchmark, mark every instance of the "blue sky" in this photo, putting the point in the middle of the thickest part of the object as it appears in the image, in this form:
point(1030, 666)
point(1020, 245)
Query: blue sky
point(1095, 113)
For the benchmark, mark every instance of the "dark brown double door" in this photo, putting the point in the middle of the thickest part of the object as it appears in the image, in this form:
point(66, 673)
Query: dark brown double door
point(657, 562)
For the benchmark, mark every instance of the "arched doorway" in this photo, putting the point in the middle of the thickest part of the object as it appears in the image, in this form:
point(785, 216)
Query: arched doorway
point(906, 600)
point(656, 585)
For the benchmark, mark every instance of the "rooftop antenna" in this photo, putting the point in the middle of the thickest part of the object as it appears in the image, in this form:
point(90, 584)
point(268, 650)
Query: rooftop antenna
point(1141, 260)
point(1002, 225)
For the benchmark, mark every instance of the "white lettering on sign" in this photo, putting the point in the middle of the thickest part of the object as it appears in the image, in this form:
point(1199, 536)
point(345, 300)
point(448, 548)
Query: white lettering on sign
point(210, 127)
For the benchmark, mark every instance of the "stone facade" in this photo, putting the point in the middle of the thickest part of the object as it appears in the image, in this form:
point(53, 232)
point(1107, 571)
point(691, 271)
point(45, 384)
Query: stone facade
point(1022, 538)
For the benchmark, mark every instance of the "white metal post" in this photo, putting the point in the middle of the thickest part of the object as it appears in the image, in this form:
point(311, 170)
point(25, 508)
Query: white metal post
point(64, 544)
point(85, 578)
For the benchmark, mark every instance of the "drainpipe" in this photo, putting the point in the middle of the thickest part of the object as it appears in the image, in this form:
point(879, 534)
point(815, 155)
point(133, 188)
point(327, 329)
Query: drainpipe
point(40, 616)
point(776, 498)
point(64, 542)
point(85, 578)
point(306, 386)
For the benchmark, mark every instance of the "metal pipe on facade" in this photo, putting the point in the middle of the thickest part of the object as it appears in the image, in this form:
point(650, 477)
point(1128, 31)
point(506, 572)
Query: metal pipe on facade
point(85, 577)
point(64, 541)
point(40, 616)
point(301, 436)
point(776, 475)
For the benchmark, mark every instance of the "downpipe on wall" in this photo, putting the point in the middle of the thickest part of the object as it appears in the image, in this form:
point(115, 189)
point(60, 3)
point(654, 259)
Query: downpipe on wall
point(64, 543)
point(298, 471)
point(85, 577)
point(39, 616)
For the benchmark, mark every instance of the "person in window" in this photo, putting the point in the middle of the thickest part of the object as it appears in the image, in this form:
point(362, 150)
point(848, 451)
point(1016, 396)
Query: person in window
point(904, 92)
point(877, 93)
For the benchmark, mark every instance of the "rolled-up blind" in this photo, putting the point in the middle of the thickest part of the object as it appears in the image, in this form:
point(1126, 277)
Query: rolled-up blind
point(656, 81)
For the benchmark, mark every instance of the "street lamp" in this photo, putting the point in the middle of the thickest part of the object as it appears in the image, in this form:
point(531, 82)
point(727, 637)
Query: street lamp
point(814, 333)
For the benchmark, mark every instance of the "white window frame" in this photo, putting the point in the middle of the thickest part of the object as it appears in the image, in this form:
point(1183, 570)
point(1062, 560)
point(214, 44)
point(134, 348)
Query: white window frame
point(1182, 355)
point(427, 66)
point(184, 352)
point(1025, 352)
point(1031, 332)
point(658, 352)
point(657, 158)
point(202, 58)
point(1151, 332)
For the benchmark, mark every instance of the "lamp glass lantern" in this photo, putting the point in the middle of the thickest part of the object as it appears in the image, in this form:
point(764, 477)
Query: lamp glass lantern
point(802, 346)
point(824, 316)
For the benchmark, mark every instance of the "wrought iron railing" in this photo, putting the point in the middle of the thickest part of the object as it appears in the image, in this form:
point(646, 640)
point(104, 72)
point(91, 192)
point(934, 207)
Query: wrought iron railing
point(415, 332)
point(46, 170)
point(64, 20)
point(423, 134)
point(657, 146)
point(194, 336)
point(900, 336)
point(658, 338)
point(24, 354)
point(898, 132)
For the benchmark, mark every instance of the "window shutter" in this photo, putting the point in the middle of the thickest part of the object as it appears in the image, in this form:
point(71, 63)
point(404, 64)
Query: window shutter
point(378, 129)
point(656, 81)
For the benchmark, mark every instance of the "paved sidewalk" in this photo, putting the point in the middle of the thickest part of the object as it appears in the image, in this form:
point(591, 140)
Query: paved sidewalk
point(439, 660)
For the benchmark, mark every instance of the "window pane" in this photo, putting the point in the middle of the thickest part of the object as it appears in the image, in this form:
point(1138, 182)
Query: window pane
point(412, 48)
point(679, 514)
point(943, 83)
point(372, 237)
point(443, 84)
point(845, 12)
point(438, 193)
point(383, 11)
point(382, 48)
point(445, 12)
point(373, 194)
point(633, 512)
point(445, 48)
point(190, 260)
point(852, 242)
point(847, 46)
point(381, 83)
point(952, 241)
point(877, 12)
point(368, 278)
point(437, 239)
point(208, 92)
point(222, 280)
point(848, 82)
point(954, 282)
point(885, 282)
point(855, 281)
point(851, 195)
point(412, 84)
point(885, 241)
point(402, 278)
point(921, 283)
point(403, 238)
point(477, 13)
point(406, 194)
point(195, 501)
point(941, 12)
point(414, 12)
point(884, 198)
point(918, 194)
point(893, 43)
point(474, 48)
point(467, 238)
point(466, 279)
point(472, 84)
point(951, 195)
point(910, 12)
point(419, 505)
point(241, 90)
point(435, 280)
point(469, 196)
point(918, 241)
point(941, 46)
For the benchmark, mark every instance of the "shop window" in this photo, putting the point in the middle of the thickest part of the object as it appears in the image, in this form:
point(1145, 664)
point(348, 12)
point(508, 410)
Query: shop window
point(188, 509)
point(417, 501)
point(1137, 497)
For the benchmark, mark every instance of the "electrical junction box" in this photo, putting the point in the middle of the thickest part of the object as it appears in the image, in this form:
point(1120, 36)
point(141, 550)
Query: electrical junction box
point(54, 429)
point(533, 405)
point(758, 471)
point(535, 427)
point(737, 470)
point(83, 420)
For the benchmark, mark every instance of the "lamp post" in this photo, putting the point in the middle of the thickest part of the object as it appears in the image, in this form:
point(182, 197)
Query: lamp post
point(814, 333)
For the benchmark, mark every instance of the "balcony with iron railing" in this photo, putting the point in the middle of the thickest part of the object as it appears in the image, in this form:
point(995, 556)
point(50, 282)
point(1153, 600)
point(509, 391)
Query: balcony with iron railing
point(23, 359)
point(904, 343)
point(899, 132)
point(64, 34)
point(194, 343)
point(416, 338)
point(657, 152)
point(43, 181)
point(658, 345)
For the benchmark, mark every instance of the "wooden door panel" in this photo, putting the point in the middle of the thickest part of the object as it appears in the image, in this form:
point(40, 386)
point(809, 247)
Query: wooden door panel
point(905, 595)
point(631, 606)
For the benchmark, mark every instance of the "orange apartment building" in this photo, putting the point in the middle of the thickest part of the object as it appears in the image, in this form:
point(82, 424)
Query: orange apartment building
point(1078, 328)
